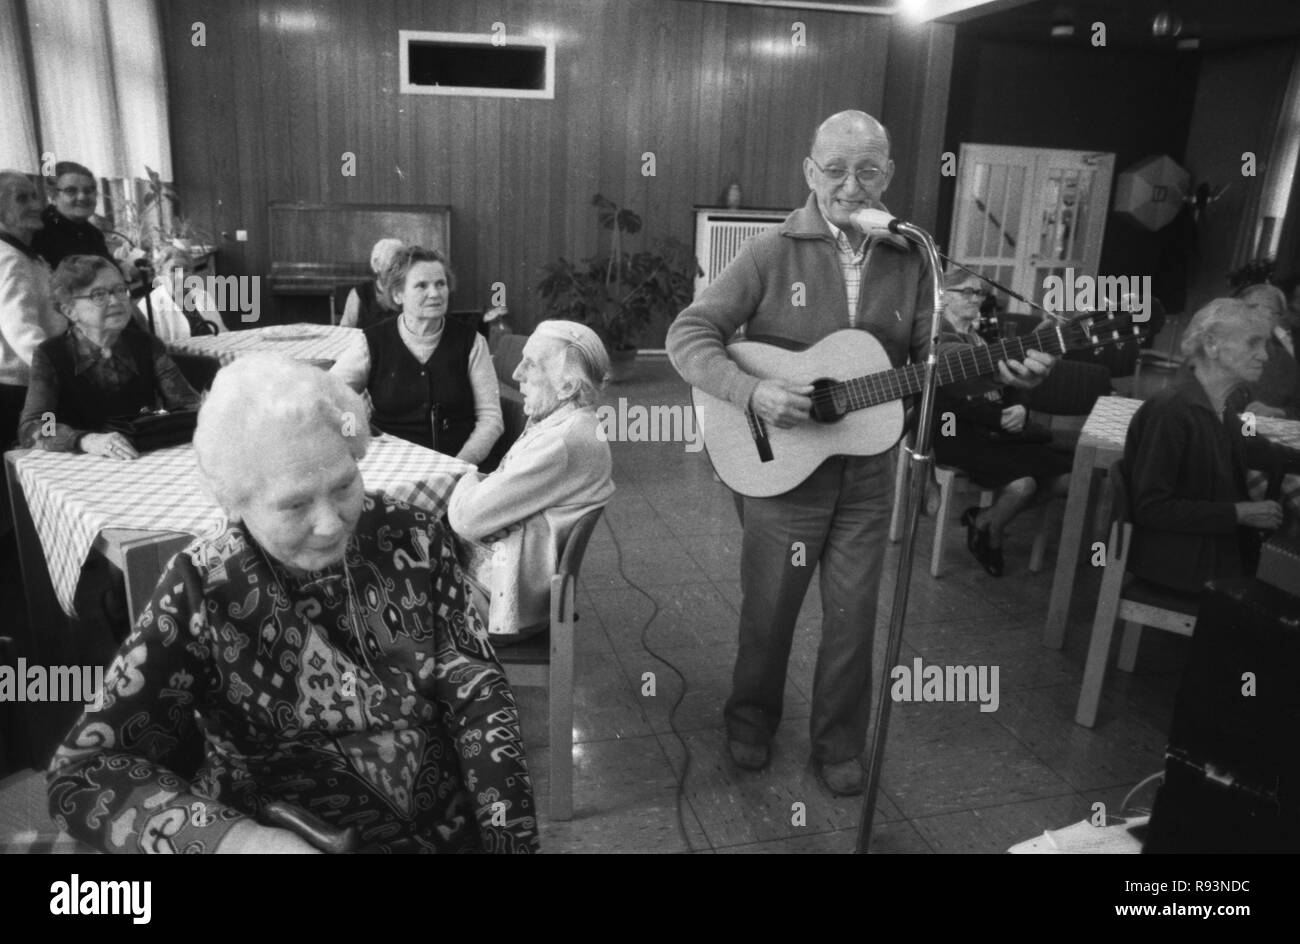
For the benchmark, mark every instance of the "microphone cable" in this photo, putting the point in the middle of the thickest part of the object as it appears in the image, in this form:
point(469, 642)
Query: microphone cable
point(672, 712)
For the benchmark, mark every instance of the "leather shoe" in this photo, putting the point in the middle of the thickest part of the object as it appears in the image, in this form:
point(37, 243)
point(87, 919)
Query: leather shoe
point(748, 756)
point(846, 778)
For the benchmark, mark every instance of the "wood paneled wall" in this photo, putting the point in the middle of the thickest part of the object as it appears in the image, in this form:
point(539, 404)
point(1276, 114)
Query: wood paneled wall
point(282, 89)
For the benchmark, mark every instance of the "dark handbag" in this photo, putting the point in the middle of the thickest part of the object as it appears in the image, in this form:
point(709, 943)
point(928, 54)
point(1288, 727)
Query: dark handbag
point(158, 429)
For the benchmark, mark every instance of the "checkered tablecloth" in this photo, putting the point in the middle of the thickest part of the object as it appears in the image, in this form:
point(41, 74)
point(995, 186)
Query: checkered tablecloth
point(1108, 423)
point(304, 342)
point(73, 497)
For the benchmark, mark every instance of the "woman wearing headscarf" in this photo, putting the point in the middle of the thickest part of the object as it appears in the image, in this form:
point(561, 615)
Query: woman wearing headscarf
point(317, 653)
point(517, 520)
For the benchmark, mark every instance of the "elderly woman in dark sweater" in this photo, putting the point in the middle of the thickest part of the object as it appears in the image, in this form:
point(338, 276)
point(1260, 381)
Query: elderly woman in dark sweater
point(98, 369)
point(1186, 458)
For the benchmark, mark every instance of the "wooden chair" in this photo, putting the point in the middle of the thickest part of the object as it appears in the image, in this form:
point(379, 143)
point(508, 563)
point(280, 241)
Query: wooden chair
point(1127, 598)
point(545, 661)
point(948, 478)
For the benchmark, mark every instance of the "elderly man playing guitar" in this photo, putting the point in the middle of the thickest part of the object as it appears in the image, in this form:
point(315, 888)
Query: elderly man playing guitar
point(816, 274)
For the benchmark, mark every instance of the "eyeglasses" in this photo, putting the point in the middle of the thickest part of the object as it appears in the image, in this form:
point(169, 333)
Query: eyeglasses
point(969, 292)
point(100, 295)
point(73, 191)
point(836, 175)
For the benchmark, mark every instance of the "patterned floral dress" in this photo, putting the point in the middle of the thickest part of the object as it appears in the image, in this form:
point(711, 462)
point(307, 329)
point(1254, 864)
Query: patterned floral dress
point(414, 739)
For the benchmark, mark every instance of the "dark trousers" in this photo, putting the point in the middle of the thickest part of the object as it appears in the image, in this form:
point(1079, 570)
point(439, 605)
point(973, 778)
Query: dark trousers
point(840, 516)
point(11, 408)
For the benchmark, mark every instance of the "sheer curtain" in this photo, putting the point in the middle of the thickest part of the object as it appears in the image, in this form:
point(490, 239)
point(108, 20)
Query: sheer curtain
point(101, 89)
point(18, 143)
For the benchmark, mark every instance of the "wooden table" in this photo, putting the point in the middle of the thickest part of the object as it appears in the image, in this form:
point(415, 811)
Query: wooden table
point(1100, 444)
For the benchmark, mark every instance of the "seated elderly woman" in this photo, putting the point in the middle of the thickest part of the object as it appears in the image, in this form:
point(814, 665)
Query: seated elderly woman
point(68, 230)
point(177, 309)
point(370, 302)
point(430, 379)
point(556, 472)
point(318, 650)
point(981, 429)
point(97, 369)
point(1186, 458)
point(1277, 391)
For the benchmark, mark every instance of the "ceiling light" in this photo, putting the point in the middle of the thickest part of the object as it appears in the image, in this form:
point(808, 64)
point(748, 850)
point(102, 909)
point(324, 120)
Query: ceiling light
point(1188, 43)
point(1062, 29)
point(1165, 24)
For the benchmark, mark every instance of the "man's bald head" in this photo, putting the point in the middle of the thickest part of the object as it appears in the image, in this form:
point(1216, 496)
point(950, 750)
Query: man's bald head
point(849, 122)
point(849, 167)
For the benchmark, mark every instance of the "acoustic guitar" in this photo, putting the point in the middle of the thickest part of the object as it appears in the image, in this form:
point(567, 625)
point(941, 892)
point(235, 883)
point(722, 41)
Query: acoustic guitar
point(857, 398)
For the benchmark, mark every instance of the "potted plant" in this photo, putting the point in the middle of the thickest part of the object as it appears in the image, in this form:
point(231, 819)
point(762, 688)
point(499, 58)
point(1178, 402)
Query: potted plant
point(148, 226)
point(618, 294)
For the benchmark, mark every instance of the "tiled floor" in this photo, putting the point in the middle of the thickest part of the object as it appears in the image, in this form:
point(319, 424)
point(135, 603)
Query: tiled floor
point(661, 582)
point(659, 599)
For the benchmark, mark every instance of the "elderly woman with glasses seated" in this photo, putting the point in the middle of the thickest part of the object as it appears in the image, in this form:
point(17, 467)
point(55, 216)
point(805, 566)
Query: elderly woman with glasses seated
point(97, 369)
point(430, 378)
point(68, 230)
point(317, 652)
point(515, 521)
point(980, 428)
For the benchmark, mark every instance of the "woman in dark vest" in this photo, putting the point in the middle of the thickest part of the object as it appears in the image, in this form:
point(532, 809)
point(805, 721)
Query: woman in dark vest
point(371, 301)
point(430, 379)
point(97, 369)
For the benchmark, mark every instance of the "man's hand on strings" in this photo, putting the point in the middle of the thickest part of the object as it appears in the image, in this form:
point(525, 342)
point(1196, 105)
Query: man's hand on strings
point(782, 403)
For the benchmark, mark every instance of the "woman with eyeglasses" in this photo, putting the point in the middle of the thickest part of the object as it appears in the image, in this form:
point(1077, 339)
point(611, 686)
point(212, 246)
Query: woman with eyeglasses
point(96, 370)
point(68, 230)
point(980, 428)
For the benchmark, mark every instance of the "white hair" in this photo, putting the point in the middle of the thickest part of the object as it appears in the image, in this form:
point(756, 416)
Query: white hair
point(1215, 320)
point(382, 254)
point(261, 392)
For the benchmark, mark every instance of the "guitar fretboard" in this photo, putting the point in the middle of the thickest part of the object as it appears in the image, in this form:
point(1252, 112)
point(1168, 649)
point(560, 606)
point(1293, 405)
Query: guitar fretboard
point(966, 364)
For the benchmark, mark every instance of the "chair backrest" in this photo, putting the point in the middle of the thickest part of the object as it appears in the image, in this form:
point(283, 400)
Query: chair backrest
point(1071, 389)
point(576, 546)
point(507, 352)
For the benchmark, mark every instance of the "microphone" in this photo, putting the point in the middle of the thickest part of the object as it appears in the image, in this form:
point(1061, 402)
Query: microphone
point(879, 223)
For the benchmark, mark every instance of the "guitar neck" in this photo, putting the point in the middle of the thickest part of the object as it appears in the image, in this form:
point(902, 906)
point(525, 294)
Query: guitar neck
point(966, 364)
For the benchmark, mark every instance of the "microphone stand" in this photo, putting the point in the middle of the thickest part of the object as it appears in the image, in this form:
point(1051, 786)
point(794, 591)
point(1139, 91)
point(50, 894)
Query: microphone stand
point(918, 477)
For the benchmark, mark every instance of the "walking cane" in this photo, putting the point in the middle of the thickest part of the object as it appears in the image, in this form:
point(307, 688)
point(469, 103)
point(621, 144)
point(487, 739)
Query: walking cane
point(879, 222)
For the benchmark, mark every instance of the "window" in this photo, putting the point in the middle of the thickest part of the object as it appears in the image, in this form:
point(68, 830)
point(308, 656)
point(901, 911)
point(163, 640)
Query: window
point(482, 64)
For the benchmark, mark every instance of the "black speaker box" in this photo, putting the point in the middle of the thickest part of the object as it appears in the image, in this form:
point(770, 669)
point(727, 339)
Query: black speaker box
point(1232, 769)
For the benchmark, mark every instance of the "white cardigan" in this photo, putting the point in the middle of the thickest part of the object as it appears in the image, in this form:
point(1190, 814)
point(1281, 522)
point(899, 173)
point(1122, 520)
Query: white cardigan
point(556, 472)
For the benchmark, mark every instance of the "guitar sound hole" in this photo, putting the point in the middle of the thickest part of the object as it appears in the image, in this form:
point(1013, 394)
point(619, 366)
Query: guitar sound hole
point(830, 402)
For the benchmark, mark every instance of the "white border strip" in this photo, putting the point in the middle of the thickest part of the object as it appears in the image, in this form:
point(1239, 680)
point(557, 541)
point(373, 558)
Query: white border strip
point(491, 40)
